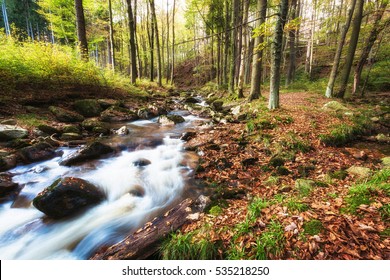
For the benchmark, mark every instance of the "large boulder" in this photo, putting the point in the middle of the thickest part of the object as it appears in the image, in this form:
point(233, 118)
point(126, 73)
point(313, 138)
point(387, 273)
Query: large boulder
point(50, 130)
point(38, 152)
point(67, 196)
point(334, 106)
point(11, 132)
point(88, 107)
point(91, 151)
point(386, 162)
point(7, 162)
point(118, 114)
point(217, 105)
point(170, 119)
point(64, 115)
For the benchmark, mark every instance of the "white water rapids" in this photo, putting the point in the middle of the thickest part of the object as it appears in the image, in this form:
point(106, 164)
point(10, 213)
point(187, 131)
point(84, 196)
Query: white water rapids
point(26, 233)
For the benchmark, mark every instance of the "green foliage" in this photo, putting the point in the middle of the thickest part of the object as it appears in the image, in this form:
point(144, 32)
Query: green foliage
point(31, 120)
point(271, 243)
point(363, 193)
point(385, 212)
point(45, 65)
point(215, 210)
point(344, 133)
point(255, 207)
point(294, 204)
point(313, 227)
point(185, 247)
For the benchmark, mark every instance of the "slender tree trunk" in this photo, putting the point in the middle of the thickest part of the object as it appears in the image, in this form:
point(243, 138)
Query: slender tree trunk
point(277, 55)
point(154, 26)
point(81, 33)
point(352, 48)
point(5, 18)
point(243, 50)
point(112, 49)
point(173, 41)
point(167, 68)
point(248, 59)
point(340, 45)
point(234, 45)
point(375, 31)
point(227, 43)
point(150, 30)
point(133, 49)
point(291, 42)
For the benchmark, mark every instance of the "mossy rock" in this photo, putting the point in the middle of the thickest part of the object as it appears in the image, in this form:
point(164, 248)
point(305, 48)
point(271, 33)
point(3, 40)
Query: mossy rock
point(48, 129)
point(386, 162)
point(64, 115)
point(118, 114)
point(217, 105)
point(37, 152)
point(359, 171)
point(170, 119)
point(71, 129)
point(91, 151)
point(88, 107)
point(334, 106)
point(8, 132)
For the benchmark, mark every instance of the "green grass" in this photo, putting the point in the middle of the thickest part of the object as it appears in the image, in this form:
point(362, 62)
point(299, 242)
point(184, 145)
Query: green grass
point(31, 120)
point(294, 204)
point(50, 66)
point(364, 193)
point(185, 247)
point(313, 227)
point(270, 244)
point(255, 207)
point(215, 210)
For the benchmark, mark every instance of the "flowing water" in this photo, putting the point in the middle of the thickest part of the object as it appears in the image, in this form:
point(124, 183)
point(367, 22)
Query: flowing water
point(26, 233)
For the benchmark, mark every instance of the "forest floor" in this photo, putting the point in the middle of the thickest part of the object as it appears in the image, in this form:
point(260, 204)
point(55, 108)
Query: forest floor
point(279, 182)
point(279, 192)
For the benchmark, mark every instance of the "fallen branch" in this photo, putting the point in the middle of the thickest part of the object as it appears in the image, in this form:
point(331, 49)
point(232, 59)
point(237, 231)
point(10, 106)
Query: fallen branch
point(145, 241)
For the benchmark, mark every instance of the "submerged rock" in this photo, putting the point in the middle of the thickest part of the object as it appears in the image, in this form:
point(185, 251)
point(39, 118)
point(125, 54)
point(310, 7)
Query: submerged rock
point(10, 132)
point(64, 115)
point(88, 107)
point(91, 151)
point(142, 162)
point(67, 196)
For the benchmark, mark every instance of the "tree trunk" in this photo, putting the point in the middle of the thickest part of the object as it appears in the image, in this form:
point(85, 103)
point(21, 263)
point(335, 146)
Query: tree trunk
point(352, 48)
point(234, 46)
point(291, 42)
point(375, 31)
point(226, 45)
point(133, 49)
point(111, 27)
point(155, 28)
point(258, 53)
point(173, 41)
point(81, 33)
point(150, 31)
point(340, 44)
point(277, 55)
point(243, 50)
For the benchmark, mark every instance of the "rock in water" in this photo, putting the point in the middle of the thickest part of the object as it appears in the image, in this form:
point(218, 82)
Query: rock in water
point(38, 152)
point(64, 115)
point(170, 119)
point(6, 184)
point(118, 114)
point(142, 162)
point(67, 196)
point(91, 151)
point(10, 132)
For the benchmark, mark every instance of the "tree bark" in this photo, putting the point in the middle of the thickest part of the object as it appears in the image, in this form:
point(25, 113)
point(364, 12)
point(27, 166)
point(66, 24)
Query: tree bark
point(340, 45)
point(145, 242)
point(244, 51)
point(375, 31)
point(291, 42)
point(173, 41)
point(257, 62)
point(226, 43)
point(234, 46)
point(133, 49)
point(81, 33)
point(112, 49)
point(157, 38)
point(352, 48)
point(277, 55)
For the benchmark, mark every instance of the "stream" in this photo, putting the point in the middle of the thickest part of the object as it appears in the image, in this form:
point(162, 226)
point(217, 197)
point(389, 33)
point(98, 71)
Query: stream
point(26, 233)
